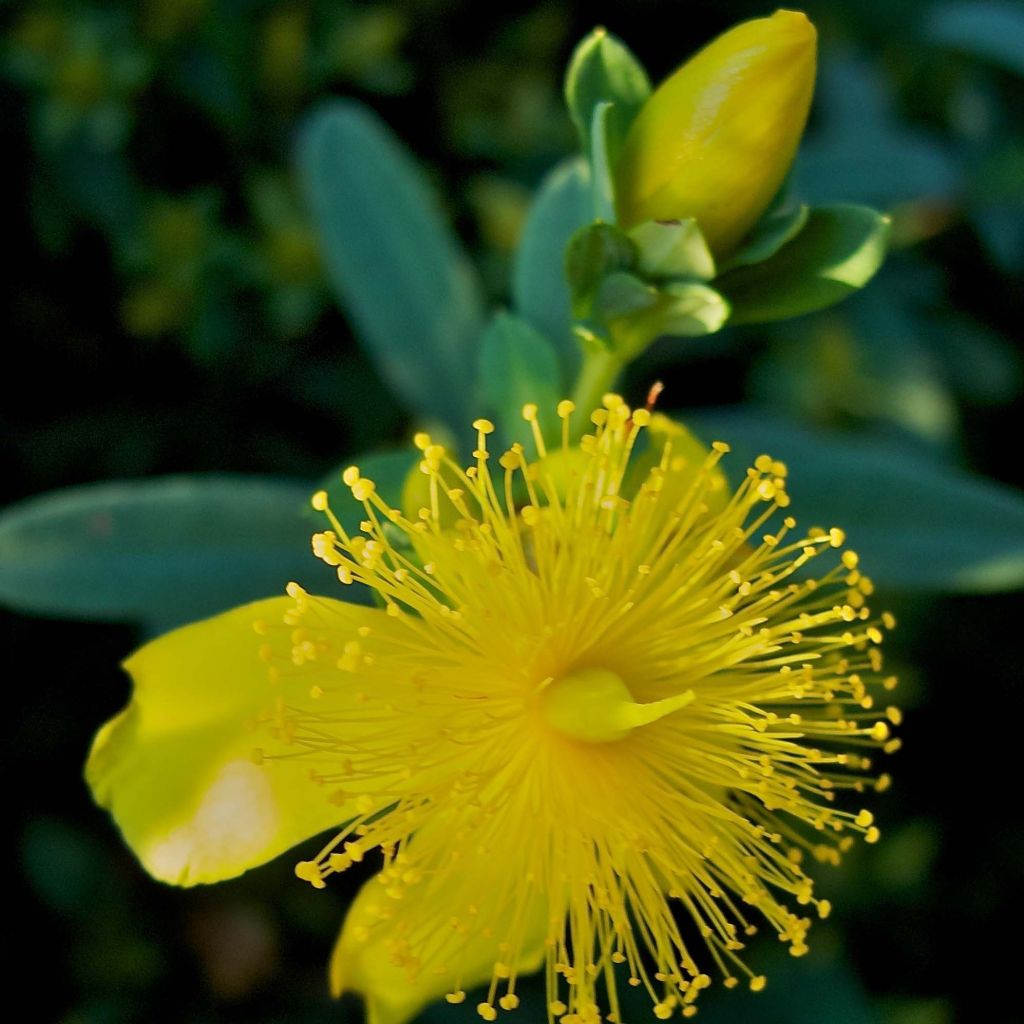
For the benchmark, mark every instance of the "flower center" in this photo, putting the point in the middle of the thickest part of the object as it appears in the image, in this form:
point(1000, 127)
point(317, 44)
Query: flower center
point(595, 705)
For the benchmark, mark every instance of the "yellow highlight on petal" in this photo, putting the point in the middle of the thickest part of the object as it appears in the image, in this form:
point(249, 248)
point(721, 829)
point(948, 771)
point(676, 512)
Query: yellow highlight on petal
point(716, 139)
point(176, 767)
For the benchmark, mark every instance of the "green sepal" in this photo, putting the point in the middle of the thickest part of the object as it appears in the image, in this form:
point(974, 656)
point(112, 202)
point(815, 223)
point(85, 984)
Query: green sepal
point(672, 249)
point(603, 70)
point(780, 223)
point(638, 313)
point(838, 251)
point(594, 252)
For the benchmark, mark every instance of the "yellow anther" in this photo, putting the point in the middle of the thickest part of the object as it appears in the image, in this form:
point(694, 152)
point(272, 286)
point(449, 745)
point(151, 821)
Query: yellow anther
point(309, 871)
point(836, 537)
point(758, 982)
point(456, 997)
point(487, 1011)
point(864, 818)
point(529, 412)
point(483, 426)
point(872, 835)
point(880, 732)
point(566, 408)
point(319, 501)
point(350, 476)
point(509, 1001)
point(294, 591)
point(362, 489)
point(641, 418)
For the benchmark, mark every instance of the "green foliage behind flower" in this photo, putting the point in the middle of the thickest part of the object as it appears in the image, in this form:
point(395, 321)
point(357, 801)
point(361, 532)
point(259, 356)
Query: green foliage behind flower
point(172, 304)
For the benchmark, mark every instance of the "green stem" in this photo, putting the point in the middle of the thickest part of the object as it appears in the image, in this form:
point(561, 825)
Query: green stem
point(598, 374)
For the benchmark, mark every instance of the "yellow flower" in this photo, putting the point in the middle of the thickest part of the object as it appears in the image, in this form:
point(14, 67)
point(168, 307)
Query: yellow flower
point(599, 691)
point(716, 139)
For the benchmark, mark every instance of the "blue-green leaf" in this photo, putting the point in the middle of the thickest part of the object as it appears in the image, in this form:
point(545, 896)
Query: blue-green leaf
point(838, 251)
point(992, 30)
point(400, 274)
point(519, 366)
point(917, 524)
point(602, 69)
point(864, 152)
point(166, 550)
point(539, 290)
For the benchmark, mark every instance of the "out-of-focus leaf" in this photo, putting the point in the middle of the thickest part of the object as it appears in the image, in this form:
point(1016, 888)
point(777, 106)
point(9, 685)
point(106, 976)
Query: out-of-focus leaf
point(519, 366)
point(398, 270)
point(603, 70)
point(167, 550)
point(539, 290)
point(838, 251)
point(805, 991)
point(863, 154)
point(990, 29)
point(917, 524)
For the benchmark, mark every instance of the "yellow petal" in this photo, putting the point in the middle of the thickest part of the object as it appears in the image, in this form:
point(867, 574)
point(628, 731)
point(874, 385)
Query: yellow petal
point(178, 768)
point(716, 139)
point(402, 954)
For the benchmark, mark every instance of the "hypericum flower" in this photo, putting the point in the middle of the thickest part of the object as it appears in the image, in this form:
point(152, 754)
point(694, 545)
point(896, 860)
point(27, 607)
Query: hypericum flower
point(716, 139)
point(601, 717)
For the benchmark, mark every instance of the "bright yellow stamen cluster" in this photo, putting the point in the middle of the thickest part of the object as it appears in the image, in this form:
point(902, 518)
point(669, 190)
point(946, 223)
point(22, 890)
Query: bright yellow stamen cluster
point(608, 714)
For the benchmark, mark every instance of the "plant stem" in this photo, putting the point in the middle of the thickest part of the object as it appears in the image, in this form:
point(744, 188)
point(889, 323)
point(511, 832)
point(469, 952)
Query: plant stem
point(598, 374)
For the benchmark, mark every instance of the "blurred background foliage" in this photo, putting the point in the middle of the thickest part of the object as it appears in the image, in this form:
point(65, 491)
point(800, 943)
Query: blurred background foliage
point(168, 312)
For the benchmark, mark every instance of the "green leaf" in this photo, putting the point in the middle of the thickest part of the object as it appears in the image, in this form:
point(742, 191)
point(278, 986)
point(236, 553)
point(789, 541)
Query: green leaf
point(410, 291)
point(673, 248)
point(170, 550)
point(917, 524)
point(539, 288)
point(838, 251)
point(519, 366)
point(993, 31)
point(602, 178)
point(594, 252)
point(603, 70)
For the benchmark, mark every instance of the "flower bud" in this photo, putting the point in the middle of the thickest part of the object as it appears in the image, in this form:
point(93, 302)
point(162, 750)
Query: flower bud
point(716, 139)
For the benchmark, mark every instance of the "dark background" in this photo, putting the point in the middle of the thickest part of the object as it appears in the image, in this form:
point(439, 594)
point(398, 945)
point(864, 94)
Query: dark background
point(166, 313)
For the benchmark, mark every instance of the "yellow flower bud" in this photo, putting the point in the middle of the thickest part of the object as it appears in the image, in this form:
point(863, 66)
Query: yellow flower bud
point(715, 140)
